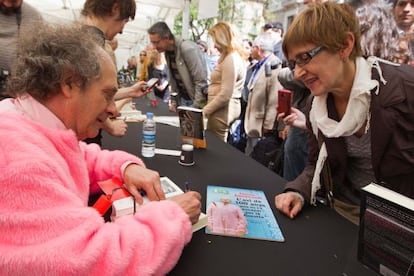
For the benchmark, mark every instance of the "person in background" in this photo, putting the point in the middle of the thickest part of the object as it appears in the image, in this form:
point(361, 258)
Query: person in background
point(237, 134)
point(211, 56)
point(275, 36)
point(360, 118)
point(47, 227)
point(403, 11)
point(227, 81)
point(379, 32)
point(132, 68)
point(277, 48)
point(188, 69)
point(15, 17)
point(143, 73)
point(106, 19)
point(260, 114)
point(295, 146)
point(110, 47)
point(157, 68)
point(141, 59)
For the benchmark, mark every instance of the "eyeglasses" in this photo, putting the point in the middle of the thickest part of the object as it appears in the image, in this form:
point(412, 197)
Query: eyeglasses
point(156, 42)
point(304, 58)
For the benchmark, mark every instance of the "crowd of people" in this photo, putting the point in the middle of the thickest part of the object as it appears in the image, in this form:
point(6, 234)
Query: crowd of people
point(351, 122)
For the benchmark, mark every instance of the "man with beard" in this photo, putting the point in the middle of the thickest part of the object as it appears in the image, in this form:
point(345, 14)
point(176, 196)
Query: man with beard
point(15, 17)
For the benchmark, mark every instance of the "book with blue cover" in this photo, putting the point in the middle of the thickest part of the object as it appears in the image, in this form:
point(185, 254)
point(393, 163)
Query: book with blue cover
point(243, 213)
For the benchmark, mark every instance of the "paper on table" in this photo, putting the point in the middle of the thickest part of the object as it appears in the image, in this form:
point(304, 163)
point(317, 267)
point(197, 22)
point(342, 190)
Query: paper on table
point(167, 152)
point(130, 117)
point(168, 120)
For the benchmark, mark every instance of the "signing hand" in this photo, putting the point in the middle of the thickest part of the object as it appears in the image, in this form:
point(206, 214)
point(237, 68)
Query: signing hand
point(139, 178)
point(289, 204)
point(190, 203)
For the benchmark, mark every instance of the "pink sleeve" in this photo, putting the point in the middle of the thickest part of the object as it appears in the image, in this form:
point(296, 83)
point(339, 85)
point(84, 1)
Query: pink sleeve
point(66, 237)
point(151, 242)
point(48, 229)
point(105, 164)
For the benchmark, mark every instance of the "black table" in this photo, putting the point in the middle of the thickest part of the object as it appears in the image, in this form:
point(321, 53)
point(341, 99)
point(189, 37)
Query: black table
point(318, 241)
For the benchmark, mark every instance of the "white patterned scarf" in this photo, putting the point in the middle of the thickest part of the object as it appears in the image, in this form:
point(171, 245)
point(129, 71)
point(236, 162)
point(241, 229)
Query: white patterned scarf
point(356, 113)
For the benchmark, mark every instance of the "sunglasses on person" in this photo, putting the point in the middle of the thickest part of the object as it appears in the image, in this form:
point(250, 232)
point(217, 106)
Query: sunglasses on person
point(304, 58)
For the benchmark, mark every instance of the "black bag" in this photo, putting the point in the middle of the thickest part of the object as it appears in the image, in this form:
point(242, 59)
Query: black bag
point(269, 152)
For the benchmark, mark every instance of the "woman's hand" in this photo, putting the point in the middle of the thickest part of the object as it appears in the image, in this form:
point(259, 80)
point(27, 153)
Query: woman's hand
point(296, 118)
point(288, 203)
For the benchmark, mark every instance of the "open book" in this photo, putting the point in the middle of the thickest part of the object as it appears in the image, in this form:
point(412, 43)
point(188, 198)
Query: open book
point(386, 231)
point(192, 126)
point(242, 213)
point(125, 206)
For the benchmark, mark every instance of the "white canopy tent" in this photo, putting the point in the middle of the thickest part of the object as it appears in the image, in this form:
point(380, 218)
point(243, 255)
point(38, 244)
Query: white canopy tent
point(134, 36)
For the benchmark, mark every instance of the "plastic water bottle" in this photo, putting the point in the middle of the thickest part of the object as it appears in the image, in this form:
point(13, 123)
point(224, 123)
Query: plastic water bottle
point(148, 136)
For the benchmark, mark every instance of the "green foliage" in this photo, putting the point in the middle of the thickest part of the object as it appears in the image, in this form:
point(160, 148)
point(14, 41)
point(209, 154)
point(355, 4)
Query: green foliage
point(197, 27)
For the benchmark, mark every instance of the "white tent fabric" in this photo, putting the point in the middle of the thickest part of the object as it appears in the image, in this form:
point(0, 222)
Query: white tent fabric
point(134, 34)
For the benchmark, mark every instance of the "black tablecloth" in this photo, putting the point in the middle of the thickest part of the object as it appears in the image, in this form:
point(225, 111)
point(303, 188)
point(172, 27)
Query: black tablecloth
point(317, 242)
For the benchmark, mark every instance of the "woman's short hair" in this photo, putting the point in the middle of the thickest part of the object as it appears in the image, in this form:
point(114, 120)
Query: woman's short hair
point(324, 24)
point(48, 55)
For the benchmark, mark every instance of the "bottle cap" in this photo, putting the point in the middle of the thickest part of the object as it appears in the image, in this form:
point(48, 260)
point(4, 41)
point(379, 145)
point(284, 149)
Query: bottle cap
point(150, 115)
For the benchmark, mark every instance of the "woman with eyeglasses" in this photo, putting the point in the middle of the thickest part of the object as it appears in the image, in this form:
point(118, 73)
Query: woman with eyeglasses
point(361, 118)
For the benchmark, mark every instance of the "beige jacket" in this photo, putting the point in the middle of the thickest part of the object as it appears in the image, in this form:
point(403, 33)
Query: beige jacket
point(227, 82)
point(261, 106)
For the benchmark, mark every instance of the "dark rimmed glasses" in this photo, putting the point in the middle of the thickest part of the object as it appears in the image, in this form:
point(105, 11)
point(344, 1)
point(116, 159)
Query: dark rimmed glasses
point(304, 58)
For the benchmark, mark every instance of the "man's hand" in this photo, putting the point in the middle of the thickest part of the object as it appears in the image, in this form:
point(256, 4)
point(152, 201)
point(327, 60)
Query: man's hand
point(190, 203)
point(289, 204)
point(116, 128)
point(137, 90)
point(137, 178)
point(172, 107)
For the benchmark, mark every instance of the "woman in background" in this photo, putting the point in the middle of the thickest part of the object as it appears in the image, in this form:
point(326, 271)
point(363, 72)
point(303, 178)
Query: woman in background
point(227, 81)
point(157, 69)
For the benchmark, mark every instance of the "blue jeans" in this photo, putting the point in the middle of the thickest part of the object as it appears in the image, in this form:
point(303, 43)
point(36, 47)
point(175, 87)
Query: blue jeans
point(185, 102)
point(296, 153)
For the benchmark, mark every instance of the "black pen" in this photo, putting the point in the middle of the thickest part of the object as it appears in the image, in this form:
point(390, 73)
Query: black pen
point(187, 186)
